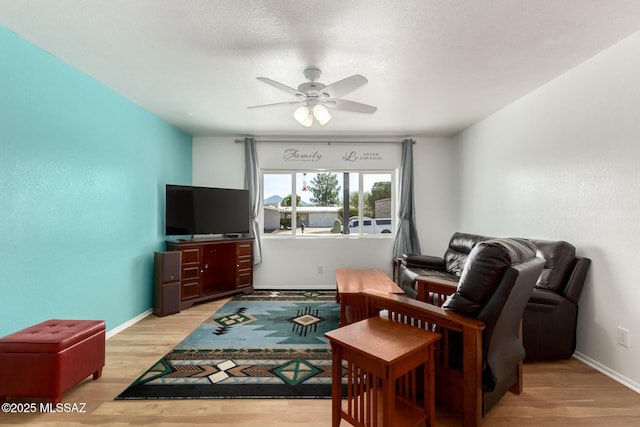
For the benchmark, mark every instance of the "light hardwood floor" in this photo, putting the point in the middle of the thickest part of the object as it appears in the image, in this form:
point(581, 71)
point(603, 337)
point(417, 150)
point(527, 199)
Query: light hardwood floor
point(565, 393)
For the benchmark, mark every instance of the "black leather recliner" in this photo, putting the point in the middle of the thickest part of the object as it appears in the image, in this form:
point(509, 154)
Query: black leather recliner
point(494, 287)
point(479, 357)
point(550, 318)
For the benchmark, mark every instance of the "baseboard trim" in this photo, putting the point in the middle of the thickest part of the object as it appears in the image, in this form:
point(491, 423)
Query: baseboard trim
point(128, 323)
point(616, 376)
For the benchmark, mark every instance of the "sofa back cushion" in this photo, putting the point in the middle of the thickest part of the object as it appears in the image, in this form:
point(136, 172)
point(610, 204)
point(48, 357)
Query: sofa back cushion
point(459, 248)
point(559, 257)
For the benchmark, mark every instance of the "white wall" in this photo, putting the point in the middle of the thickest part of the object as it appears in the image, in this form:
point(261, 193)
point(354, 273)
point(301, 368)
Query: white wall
point(293, 263)
point(563, 163)
point(218, 162)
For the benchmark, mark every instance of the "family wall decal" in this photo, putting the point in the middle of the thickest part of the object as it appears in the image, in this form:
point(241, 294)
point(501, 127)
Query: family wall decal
point(298, 155)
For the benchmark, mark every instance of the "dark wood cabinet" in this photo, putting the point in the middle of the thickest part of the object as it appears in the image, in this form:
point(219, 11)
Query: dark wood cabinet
point(213, 268)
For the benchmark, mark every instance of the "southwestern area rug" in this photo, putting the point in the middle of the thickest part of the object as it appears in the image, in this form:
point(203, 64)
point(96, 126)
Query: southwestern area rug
point(263, 345)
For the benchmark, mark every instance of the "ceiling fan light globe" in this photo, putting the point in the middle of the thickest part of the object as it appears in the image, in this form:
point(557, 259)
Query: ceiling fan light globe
point(321, 114)
point(303, 116)
point(308, 122)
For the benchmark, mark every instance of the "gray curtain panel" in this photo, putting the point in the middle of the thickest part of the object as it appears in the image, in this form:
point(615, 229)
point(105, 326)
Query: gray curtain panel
point(252, 183)
point(407, 237)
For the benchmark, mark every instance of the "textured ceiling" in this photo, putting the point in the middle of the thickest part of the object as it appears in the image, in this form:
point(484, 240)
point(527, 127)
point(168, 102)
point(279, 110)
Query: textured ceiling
point(434, 66)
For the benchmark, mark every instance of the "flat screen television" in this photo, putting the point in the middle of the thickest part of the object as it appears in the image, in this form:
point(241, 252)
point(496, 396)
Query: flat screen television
point(206, 210)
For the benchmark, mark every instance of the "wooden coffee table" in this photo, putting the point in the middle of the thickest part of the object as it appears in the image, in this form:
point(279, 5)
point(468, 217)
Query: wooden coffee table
point(351, 281)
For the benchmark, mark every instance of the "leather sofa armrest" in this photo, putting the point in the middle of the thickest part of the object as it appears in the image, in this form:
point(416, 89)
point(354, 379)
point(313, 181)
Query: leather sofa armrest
point(434, 290)
point(574, 285)
point(426, 262)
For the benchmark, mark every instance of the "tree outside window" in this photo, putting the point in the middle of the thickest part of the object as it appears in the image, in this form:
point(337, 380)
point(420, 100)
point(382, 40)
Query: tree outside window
point(326, 190)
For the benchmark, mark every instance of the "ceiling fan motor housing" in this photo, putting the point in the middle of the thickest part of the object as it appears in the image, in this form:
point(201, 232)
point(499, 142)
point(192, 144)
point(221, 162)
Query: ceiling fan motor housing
point(311, 89)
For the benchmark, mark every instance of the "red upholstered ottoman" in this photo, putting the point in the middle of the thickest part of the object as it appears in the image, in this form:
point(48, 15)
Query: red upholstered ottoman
point(49, 358)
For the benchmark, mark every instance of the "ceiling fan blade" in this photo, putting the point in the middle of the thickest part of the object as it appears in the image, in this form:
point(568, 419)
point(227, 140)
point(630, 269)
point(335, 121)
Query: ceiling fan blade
point(280, 86)
point(356, 107)
point(344, 86)
point(277, 104)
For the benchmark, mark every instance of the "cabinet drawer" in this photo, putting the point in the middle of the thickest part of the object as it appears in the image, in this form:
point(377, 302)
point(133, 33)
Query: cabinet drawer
point(190, 255)
point(245, 263)
point(189, 289)
point(244, 249)
point(190, 272)
point(244, 278)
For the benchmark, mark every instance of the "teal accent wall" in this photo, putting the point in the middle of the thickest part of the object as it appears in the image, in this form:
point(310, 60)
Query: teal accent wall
point(82, 176)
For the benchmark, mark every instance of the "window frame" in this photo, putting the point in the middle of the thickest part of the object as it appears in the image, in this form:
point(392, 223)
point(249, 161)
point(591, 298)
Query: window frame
point(293, 173)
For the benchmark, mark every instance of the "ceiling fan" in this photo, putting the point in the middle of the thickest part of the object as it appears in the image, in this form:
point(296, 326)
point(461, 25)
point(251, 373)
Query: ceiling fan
point(314, 97)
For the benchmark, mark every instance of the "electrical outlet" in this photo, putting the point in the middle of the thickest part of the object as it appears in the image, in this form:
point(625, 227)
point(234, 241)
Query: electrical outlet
point(320, 269)
point(624, 337)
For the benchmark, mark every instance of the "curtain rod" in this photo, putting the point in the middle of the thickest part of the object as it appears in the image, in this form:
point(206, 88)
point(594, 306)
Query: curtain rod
point(325, 142)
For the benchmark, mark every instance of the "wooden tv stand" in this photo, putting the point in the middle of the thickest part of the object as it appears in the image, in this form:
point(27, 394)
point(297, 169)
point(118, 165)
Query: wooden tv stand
point(213, 268)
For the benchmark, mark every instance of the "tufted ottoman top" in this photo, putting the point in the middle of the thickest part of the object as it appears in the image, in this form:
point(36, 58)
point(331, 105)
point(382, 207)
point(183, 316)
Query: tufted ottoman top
point(50, 336)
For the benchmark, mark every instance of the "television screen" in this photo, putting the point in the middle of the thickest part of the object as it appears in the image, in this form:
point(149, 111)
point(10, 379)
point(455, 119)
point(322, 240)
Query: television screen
point(206, 210)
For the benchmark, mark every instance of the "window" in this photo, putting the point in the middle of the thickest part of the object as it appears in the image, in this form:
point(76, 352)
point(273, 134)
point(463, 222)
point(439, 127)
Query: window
point(328, 203)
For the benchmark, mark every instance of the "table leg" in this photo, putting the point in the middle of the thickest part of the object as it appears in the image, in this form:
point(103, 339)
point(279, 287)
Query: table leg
point(336, 385)
point(389, 401)
point(429, 389)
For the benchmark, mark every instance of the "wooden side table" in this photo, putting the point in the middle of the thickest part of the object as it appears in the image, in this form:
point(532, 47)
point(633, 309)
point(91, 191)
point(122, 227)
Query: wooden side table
point(385, 387)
